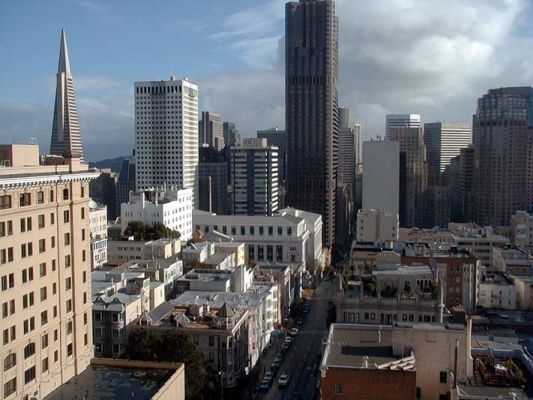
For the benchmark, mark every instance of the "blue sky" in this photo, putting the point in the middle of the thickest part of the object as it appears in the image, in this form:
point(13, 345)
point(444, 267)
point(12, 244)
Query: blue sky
point(395, 56)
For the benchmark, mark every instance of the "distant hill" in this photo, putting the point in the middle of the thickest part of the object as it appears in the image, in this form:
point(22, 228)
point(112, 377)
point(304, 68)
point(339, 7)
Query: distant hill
point(113, 163)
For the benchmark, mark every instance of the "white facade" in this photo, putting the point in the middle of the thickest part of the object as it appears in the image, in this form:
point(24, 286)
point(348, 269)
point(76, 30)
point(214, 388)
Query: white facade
point(254, 178)
point(381, 176)
point(377, 226)
point(98, 223)
point(166, 134)
point(444, 141)
point(497, 290)
point(522, 229)
point(401, 121)
point(281, 238)
point(120, 251)
point(174, 211)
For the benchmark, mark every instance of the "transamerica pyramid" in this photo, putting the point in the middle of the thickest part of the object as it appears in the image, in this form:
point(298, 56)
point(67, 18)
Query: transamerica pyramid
point(66, 139)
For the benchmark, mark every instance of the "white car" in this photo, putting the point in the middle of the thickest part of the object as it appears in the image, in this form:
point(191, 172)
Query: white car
point(283, 380)
point(294, 331)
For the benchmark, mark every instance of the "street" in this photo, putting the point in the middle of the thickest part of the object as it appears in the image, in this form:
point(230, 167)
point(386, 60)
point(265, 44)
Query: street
point(303, 357)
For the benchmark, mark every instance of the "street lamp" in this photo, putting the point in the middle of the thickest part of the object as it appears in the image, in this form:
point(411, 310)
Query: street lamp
point(221, 387)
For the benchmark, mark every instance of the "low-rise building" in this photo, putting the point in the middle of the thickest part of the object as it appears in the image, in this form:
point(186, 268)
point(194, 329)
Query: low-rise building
point(166, 271)
point(171, 208)
point(512, 260)
point(213, 280)
point(393, 294)
point(522, 229)
point(167, 381)
point(480, 242)
point(362, 259)
point(405, 361)
point(213, 255)
point(119, 299)
point(280, 274)
point(497, 290)
point(120, 251)
point(377, 226)
point(524, 291)
point(291, 236)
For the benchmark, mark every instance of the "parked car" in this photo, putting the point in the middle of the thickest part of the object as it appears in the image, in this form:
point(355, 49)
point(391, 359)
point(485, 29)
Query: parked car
point(283, 380)
point(299, 321)
point(275, 365)
point(269, 375)
point(288, 339)
point(294, 331)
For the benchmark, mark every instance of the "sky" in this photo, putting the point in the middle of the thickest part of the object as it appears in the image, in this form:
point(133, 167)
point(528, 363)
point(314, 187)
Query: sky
point(433, 57)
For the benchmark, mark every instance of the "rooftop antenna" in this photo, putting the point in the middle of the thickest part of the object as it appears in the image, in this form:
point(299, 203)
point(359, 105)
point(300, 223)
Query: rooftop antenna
point(33, 140)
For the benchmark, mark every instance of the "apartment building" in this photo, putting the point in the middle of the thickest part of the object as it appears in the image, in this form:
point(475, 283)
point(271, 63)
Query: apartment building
point(120, 251)
point(45, 271)
point(98, 224)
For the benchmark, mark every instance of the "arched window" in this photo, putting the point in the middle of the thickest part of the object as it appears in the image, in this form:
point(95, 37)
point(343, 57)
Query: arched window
point(10, 361)
point(29, 350)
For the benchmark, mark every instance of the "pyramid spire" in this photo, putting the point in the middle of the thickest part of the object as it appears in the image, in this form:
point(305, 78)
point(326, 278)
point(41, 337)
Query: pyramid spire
point(66, 138)
point(64, 63)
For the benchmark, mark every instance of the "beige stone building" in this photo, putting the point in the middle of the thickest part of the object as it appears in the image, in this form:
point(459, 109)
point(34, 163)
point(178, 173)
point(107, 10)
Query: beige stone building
point(45, 292)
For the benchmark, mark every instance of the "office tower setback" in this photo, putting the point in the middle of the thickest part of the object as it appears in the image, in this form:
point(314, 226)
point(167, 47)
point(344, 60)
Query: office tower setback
point(502, 138)
point(125, 182)
point(103, 190)
point(381, 176)
point(211, 130)
point(348, 158)
point(213, 174)
point(254, 178)
point(444, 140)
point(311, 108)
point(401, 121)
point(231, 134)
point(66, 138)
point(45, 268)
point(166, 134)
point(276, 137)
point(416, 213)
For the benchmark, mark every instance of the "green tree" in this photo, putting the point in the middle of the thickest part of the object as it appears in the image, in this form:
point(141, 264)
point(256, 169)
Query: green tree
point(173, 345)
point(140, 231)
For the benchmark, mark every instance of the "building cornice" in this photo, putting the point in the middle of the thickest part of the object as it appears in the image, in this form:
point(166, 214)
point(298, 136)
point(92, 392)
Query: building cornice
point(14, 182)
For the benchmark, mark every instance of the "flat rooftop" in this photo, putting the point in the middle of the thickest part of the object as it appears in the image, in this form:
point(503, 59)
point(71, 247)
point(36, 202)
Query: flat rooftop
point(104, 382)
point(350, 345)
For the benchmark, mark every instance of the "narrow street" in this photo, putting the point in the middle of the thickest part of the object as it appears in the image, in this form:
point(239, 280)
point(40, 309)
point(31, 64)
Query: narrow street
point(303, 357)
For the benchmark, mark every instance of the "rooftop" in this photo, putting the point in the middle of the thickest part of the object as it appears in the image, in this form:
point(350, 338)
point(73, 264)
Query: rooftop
point(118, 379)
point(358, 346)
point(496, 278)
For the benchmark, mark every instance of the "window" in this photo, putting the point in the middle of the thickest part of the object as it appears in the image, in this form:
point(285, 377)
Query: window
point(42, 269)
point(65, 194)
point(69, 327)
point(83, 234)
point(443, 377)
point(84, 256)
point(261, 230)
point(69, 349)
point(56, 356)
point(67, 261)
point(82, 191)
point(40, 197)
point(66, 216)
point(68, 283)
point(289, 231)
point(25, 199)
point(44, 294)
point(280, 231)
point(270, 231)
point(83, 213)
point(54, 288)
point(418, 393)
point(338, 388)
point(40, 221)
point(29, 375)
point(8, 281)
point(29, 350)
point(6, 228)
point(211, 341)
point(51, 196)
point(42, 246)
point(10, 361)
point(44, 341)
point(10, 387)
point(52, 218)
point(53, 242)
point(69, 305)
point(67, 239)
point(45, 365)
point(5, 202)
point(44, 318)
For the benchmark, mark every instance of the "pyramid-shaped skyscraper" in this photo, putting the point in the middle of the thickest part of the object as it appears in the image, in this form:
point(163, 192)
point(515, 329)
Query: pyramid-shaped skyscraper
point(66, 138)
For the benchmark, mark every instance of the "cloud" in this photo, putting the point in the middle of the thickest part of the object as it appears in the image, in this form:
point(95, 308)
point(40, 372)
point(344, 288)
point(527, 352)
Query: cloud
point(100, 9)
point(90, 83)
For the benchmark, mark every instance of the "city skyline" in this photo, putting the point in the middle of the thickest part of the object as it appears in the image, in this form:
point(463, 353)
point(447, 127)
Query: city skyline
point(245, 46)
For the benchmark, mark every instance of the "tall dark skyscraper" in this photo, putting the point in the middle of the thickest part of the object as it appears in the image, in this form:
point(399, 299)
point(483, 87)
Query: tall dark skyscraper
point(311, 108)
point(66, 138)
point(503, 155)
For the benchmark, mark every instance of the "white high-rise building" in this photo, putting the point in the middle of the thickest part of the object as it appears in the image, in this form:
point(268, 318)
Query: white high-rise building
point(402, 121)
point(166, 134)
point(444, 141)
point(172, 208)
point(349, 146)
point(381, 175)
point(254, 178)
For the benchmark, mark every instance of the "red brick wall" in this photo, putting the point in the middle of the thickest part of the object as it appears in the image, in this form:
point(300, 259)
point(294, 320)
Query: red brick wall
point(369, 384)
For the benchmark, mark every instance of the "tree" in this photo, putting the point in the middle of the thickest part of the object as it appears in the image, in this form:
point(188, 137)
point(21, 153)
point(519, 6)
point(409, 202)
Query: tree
point(173, 345)
point(140, 231)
